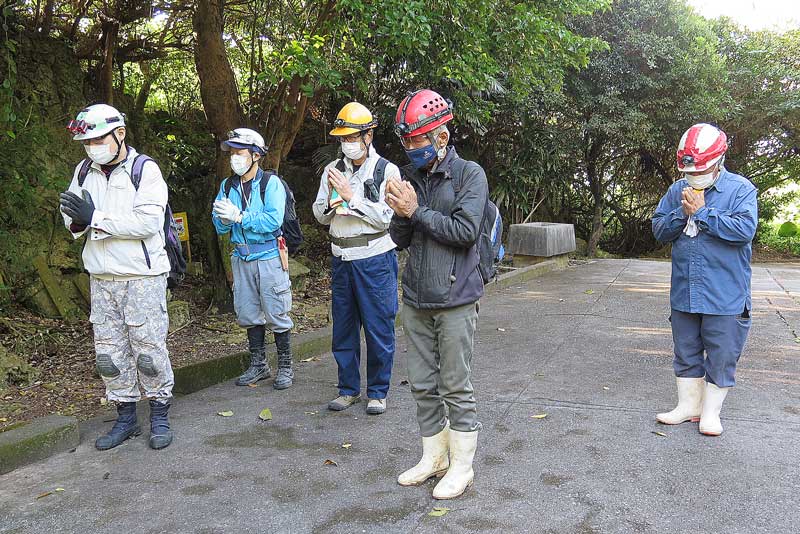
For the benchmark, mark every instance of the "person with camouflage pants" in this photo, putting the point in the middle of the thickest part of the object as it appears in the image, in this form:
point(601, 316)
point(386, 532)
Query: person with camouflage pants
point(125, 256)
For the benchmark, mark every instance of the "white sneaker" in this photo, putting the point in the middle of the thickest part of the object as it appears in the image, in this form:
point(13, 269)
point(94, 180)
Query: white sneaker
point(690, 402)
point(434, 462)
point(376, 406)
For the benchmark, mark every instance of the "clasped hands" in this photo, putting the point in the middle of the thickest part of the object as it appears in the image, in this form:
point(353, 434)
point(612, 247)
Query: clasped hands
point(692, 200)
point(227, 211)
point(401, 197)
point(338, 181)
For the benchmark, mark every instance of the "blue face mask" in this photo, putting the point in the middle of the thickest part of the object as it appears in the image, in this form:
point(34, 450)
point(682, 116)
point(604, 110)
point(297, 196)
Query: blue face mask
point(422, 156)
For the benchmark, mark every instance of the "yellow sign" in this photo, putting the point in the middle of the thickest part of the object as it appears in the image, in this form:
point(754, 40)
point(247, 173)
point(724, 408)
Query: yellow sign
point(182, 222)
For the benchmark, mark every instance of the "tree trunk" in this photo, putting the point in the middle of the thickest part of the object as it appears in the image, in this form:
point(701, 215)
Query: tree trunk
point(47, 20)
point(220, 96)
point(597, 229)
point(598, 195)
point(110, 33)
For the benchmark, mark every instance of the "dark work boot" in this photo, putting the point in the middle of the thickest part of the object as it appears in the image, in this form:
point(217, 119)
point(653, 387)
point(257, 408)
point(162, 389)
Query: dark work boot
point(259, 367)
point(125, 427)
point(160, 433)
point(285, 373)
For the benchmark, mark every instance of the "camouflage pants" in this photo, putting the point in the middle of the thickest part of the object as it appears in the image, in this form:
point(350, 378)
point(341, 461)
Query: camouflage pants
point(130, 337)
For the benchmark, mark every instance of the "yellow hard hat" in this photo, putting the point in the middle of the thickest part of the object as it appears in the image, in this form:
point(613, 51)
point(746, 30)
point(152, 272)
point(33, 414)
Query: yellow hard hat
point(353, 118)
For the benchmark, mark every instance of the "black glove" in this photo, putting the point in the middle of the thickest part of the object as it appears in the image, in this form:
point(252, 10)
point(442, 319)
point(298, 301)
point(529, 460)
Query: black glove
point(80, 210)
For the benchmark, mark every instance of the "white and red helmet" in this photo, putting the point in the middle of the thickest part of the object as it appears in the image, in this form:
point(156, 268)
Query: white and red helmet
point(701, 147)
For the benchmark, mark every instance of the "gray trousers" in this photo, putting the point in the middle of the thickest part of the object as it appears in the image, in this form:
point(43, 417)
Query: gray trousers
point(130, 325)
point(439, 359)
point(262, 294)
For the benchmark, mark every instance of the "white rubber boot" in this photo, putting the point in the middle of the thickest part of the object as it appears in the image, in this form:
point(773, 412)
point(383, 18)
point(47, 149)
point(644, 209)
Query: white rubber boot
point(710, 425)
point(460, 475)
point(690, 402)
point(434, 462)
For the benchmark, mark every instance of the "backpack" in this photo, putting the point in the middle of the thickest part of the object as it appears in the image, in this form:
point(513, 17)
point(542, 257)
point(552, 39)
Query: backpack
point(290, 229)
point(172, 244)
point(489, 243)
point(372, 186)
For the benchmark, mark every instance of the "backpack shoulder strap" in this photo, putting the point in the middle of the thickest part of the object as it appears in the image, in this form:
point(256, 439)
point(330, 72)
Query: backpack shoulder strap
point(457, 168)
point(379, 172)
point(340, 166)
point(268, 174)
point(86, 164)
point(229, 183)
point(136, 169)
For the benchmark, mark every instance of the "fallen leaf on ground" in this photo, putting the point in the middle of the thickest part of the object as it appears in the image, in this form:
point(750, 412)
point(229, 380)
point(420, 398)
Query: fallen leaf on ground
point(589, 291)
point(265, 415)
point(539, 416)
point(43, 495)
point(501, 329)
point(659, 434)
point(227, 413)
point(330, 462)
point(252, 385)
point(60, 489)
point(3, 419)
point(103, 401)
point(438, 512)
point(311, 359)
point(346, 445)
point(106, 476)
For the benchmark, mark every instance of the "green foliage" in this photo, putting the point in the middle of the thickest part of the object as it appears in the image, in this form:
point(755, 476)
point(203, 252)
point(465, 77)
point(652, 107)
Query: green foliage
point(787, 229)
point(769, 237)
point(764, 73)
point(8, 101)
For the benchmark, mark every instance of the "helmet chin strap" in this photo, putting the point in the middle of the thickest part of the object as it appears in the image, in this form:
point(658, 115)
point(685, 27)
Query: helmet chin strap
point(440, 151)
point(118, 143)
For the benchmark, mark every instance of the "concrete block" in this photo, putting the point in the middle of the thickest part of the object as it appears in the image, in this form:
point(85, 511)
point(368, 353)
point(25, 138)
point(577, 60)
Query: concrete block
point(39, 439)
point(541, 239)
point(179, 314)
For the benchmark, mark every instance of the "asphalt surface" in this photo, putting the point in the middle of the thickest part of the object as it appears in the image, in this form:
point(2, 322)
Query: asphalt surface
point(589, 346)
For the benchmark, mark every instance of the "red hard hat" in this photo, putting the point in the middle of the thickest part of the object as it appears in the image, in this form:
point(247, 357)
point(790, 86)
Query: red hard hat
point(701, 147)
point(421, 112)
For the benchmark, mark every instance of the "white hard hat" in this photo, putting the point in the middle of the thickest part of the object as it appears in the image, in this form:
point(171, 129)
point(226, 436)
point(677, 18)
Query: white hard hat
point(95, 121)
point(244, 138)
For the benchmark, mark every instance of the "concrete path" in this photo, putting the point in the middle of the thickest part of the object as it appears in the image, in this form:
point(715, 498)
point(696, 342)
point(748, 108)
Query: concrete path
point(590, 347)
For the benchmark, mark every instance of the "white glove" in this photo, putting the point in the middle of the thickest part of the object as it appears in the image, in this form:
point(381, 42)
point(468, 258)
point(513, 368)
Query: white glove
point(691, 228)
point(227, 211)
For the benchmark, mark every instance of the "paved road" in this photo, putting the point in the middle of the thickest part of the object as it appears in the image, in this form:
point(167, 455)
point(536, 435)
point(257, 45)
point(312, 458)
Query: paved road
point(590, 347)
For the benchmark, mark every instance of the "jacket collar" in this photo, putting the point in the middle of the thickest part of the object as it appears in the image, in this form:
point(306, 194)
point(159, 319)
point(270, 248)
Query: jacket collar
point(722, 180)
point(236, 180)
point(445, 166)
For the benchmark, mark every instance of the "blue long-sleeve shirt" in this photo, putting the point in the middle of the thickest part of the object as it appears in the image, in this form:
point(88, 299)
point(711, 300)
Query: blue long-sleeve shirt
point(259, 219)
point(711, 272)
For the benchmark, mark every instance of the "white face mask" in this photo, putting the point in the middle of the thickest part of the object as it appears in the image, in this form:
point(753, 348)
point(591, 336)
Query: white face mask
point(353, 151)
point(240, 164)
point(701, 181)
point(99, 153)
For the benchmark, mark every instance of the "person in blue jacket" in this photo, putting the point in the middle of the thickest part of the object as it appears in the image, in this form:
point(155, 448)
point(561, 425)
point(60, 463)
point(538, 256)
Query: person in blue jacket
point(262, 294)
point(710, 217)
